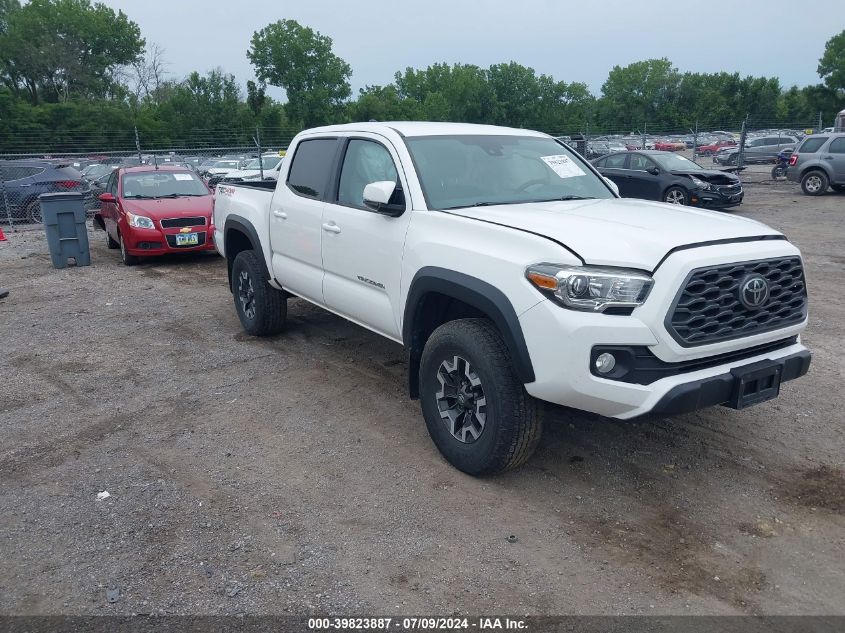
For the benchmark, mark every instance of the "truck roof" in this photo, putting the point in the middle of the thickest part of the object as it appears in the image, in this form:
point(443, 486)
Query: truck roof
point(427, 128)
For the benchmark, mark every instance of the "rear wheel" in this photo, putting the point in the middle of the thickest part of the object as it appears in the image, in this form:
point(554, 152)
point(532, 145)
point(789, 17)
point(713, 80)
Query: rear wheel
point(676, 195)
point(778, 171)
point(33, 212)
point(475, 407)
point(261, 308)
point(814, 183)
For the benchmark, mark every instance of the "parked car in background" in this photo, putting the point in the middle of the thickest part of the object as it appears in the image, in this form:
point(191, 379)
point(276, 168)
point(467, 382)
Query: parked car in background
point(763, 149)
point(668, 177)
point(712, 148)
point(819, 163)
point(97, 171)
point(252, 169)
point(149, 210)
point(25, 180)
point(670, 146)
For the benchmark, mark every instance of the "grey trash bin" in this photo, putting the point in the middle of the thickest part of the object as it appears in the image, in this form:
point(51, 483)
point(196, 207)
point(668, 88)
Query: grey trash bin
point(64, 222)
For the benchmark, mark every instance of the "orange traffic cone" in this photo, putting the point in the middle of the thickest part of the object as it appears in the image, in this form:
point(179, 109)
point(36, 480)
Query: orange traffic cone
point(2, 236)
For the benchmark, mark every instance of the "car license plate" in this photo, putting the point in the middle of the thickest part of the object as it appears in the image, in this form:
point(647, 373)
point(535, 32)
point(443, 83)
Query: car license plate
point(188, 239)
point(755, 383)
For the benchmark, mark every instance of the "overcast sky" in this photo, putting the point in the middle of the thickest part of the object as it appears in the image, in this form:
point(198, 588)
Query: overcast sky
point(570, 40)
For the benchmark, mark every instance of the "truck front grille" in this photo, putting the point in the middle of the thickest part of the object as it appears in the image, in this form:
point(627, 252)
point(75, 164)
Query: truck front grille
point(709, 308)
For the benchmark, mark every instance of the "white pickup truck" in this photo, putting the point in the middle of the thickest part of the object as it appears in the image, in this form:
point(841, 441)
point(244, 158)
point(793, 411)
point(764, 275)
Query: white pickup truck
point(512, 272)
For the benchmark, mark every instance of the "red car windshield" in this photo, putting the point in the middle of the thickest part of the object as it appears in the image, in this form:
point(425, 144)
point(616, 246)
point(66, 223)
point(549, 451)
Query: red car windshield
point(162, 184)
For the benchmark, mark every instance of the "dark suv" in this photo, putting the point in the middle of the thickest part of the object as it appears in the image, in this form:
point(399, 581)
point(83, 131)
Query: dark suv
point(22, 181)
point(819, 162)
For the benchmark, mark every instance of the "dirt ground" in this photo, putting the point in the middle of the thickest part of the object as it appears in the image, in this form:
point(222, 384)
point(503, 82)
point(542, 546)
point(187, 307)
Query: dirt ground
point(293, 475)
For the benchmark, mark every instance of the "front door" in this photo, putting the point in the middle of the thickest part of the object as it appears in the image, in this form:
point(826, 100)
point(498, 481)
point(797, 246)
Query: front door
point(362, 249)
point(644, 184)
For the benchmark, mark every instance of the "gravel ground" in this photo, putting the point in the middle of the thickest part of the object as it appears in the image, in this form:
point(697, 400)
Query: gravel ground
point(293, 475)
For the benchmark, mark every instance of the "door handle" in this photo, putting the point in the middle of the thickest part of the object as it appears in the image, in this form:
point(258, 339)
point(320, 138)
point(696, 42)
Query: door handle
point(331, 227)
point(828, 157)
point(280, 214)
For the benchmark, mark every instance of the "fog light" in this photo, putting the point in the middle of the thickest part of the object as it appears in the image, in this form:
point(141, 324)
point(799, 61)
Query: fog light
point(605, 363)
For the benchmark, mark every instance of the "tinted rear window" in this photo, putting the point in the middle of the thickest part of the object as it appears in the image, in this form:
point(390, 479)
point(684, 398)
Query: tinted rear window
point(812, 144)
point(309, 171)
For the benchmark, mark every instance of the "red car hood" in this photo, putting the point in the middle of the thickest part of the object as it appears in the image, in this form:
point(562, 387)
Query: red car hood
point(170, 207)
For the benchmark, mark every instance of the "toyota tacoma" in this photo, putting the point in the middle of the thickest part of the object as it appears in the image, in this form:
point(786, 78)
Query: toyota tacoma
point(512, 273)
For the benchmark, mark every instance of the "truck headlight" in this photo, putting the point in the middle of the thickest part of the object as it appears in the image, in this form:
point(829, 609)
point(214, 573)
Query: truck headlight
point(140, 221)
point(591, 288)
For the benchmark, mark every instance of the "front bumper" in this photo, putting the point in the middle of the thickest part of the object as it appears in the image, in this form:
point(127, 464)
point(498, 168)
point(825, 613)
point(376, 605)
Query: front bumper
point(716, 199)
point(708, 392)
point(153, 242)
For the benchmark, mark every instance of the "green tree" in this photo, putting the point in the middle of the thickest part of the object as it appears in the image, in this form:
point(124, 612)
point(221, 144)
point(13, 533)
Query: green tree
point(462, 88)
point(55, 50)
point(383, 103)
point(641, 93)
point(300, 60)
point(832, 63)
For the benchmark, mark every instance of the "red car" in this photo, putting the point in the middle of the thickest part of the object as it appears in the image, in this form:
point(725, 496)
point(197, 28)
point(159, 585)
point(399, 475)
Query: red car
point(669, 146)
point(707, 150)
point(149, 211)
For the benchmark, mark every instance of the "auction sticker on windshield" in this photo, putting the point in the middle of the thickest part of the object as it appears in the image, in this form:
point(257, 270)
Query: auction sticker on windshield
point(563, 166)
point(183, 176)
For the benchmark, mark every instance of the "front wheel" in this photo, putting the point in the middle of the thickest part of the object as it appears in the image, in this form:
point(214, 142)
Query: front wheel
point(261, 308)
point(676, 195)
point(475, 407)
point(126, 258)
point(814, 183)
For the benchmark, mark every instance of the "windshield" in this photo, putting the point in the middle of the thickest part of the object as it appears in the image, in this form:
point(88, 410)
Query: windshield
point(673, 162)
point(268, 161)
point(96, 171)
point(481, 170)
point(163, 184)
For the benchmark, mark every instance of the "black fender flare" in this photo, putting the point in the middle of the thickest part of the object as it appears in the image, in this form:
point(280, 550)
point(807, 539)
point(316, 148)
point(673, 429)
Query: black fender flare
point(242, 225)
point(479, 294)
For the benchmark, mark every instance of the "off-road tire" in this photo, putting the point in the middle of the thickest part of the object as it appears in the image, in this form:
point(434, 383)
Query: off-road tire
point(814, 182)
point(265, 310)
point(512, 428)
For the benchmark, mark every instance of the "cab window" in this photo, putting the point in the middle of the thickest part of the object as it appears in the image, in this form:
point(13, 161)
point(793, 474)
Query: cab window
point(312, 162)
point(365, 162)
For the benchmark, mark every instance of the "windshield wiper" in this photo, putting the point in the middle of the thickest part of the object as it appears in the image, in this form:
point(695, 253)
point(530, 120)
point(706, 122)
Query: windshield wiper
point(566, 198)
point(180, 195)
point(139, 197)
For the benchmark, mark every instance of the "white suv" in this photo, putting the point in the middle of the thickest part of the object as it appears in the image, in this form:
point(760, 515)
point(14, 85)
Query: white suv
point(512, 272)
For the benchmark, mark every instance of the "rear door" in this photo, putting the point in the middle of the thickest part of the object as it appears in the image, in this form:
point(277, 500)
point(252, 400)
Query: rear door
point(109, 210)
point(362, 249)
point(836, 156)
point(296, 215)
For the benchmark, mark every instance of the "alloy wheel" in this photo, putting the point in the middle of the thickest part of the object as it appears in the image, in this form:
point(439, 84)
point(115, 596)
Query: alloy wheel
point(461, 400)
point(675, 197)
point(246, 295)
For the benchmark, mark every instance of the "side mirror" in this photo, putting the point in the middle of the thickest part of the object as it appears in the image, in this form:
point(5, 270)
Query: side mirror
point(654, 171)
point(613, 186)
point(107, 197)
point(377, 197)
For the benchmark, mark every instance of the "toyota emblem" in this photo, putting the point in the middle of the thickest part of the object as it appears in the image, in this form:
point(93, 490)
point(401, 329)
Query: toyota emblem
point(754, 291)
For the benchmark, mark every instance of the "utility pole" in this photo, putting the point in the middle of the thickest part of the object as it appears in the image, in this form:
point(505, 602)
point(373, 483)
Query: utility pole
point(820, 121)
point(257, 140)
point(695, 140)
point(138, 145)
point(644, 129)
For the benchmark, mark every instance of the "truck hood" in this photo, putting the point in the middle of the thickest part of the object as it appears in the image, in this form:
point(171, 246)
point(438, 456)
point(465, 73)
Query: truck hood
point(620, 232)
